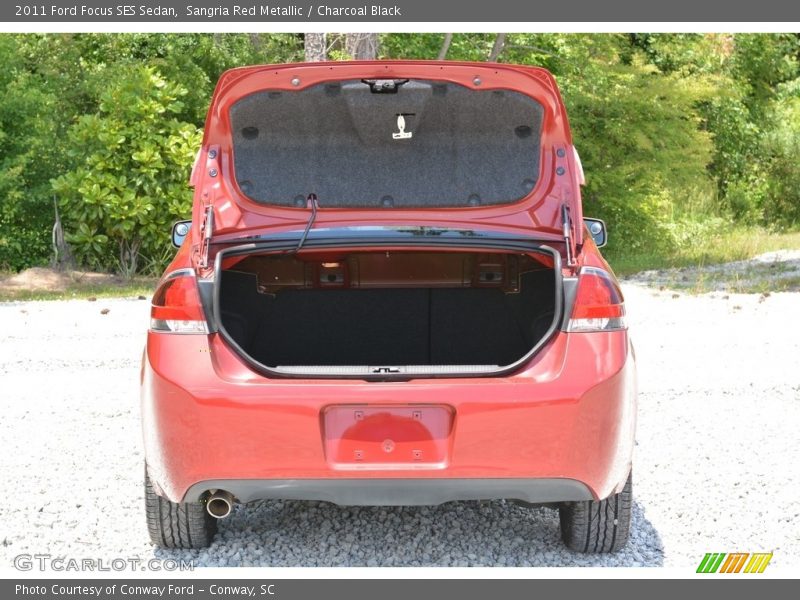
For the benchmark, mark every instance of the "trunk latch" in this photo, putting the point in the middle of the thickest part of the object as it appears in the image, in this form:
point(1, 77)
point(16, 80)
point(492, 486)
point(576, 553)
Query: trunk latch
point(384, 86)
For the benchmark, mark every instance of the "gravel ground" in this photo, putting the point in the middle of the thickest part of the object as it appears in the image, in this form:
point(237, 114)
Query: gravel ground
point(715, 469)
point(771, 271)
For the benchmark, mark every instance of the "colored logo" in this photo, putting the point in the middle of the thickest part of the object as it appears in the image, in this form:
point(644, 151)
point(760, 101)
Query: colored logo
point(735, 562)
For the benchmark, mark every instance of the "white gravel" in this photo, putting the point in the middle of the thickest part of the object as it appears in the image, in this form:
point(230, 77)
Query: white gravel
point(715, 471)
point(779, 268)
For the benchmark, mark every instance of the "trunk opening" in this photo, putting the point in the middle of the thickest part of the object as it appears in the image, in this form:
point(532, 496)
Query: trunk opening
point(378, 313)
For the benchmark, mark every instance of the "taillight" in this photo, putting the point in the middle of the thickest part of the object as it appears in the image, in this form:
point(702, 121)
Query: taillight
point(599, 305)
point(176, 305)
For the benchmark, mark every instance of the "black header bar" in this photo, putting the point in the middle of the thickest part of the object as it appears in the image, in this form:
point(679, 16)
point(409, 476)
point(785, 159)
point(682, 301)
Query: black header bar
point(398, 11)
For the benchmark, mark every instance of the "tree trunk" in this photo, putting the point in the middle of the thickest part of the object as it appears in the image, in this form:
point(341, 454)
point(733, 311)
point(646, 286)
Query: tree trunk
point(448, 39)
point(362, 46)
point(255, 42)
point(497, 49)
point(315, 47)
point(62, 254)
point(129, 257)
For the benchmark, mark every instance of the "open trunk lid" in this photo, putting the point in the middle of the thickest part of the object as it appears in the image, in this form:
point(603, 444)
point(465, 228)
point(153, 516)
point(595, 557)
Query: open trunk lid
point(431, 144)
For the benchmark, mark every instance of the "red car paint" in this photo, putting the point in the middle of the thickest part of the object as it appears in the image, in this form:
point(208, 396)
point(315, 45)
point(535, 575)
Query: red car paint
point(236, 215)
point(568, 413)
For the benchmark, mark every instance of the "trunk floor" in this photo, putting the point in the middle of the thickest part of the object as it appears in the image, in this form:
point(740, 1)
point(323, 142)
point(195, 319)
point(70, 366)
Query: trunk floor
point(381, 327)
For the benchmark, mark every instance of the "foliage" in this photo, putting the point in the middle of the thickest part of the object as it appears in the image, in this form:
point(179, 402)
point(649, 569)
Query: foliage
point(780, 148)
point(27, 128)
point(640, 141)
point(680, 135)
point(132, 167)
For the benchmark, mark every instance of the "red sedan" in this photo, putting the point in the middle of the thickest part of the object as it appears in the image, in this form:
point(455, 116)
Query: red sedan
point(388, 295)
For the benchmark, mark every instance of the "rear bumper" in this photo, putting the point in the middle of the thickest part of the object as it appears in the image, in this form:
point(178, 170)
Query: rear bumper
point(396, 492)
point(560, 429)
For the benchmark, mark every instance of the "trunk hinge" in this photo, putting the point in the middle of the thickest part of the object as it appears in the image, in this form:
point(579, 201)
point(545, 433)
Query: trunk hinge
point(566, 222)
point(312, 198)
point(206, 231)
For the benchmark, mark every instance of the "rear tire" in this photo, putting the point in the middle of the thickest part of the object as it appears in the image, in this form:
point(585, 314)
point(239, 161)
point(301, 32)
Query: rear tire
point(595, 527)
point(177, 525)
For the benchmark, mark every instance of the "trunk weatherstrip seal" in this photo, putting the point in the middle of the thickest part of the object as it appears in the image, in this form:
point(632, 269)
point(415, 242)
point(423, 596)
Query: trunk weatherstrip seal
point(286, 245)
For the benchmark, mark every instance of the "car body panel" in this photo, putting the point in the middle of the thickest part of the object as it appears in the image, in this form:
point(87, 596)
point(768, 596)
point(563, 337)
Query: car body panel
point(567, 415)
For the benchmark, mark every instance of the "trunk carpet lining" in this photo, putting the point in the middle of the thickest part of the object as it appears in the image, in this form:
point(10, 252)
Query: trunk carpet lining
point(376, 327)
point(468, 147)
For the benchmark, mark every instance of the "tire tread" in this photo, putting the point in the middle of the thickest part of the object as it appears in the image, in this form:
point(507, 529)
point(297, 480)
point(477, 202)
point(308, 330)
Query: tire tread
point(183, 525)
point(598, 526)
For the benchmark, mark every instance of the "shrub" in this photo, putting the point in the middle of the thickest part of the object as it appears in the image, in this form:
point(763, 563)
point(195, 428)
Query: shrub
point(133, 158)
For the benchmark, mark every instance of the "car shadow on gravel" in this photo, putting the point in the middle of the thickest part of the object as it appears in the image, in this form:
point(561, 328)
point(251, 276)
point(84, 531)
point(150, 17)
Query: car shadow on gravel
point(498, 533)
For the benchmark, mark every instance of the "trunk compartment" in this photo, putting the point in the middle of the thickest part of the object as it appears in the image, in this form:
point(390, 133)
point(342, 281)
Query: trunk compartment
point(379, 313)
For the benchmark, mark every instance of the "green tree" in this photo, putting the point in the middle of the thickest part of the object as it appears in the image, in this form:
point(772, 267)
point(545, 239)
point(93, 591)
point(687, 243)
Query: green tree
point(28, 128)
point(638, 134)
point(676, 131)
point(780, 148)
point(133, 158)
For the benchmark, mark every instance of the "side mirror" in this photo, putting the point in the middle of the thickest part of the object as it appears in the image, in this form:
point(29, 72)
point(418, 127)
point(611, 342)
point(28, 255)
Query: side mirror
point(179, 232)
point(598, 231)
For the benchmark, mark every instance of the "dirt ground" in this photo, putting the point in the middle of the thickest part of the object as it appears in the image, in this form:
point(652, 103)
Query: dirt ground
point(50, 280)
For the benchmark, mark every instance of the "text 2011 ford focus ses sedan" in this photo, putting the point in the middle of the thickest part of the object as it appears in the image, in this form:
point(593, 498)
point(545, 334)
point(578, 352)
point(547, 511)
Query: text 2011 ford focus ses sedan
point(388, 295)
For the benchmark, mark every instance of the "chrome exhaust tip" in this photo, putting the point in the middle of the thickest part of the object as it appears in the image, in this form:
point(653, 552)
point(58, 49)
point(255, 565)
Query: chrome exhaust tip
point(219, 504)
